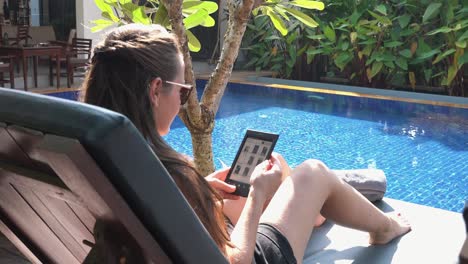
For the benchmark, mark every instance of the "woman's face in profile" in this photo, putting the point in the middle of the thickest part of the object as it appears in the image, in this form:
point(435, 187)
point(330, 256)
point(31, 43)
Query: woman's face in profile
point(169, 101)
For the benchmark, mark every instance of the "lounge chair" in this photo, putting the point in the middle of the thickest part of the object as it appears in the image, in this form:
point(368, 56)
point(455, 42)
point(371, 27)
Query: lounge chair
point(54, 158)
point(77, 182)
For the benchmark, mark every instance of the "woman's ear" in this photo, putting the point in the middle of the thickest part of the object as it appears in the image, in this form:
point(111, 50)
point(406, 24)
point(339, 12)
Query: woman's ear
point(155, 91)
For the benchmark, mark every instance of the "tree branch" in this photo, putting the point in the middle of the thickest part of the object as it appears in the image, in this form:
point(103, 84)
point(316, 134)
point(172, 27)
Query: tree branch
point(192, 117)
point(239, 14)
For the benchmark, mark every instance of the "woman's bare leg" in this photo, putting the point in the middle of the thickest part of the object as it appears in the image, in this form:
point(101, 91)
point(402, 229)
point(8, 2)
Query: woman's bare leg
point(233, 208)
point(313, 188)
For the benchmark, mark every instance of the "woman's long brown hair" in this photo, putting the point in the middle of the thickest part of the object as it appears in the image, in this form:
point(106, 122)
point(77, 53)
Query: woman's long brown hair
point(122, 68)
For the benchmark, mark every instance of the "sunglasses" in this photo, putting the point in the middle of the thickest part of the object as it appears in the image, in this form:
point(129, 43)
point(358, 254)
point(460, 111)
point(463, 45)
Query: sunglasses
point(184, 92)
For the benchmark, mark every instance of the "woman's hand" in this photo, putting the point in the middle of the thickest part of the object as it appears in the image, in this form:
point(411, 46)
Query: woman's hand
point(217, 181)
point(266, 177)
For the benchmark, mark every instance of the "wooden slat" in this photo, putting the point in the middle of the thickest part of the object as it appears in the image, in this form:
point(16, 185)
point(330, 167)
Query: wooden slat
point(9, 148)
point(81, 174)
point(84, 215)
point(53, 204)
point(42, 182)
point(15, 239)
point(21, 213)
point(48, 217)
point(68, 219)
point(27, 139)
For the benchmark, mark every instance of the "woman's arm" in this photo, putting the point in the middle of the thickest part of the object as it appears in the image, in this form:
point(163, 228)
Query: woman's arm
point(245, 232)
point(264, 182)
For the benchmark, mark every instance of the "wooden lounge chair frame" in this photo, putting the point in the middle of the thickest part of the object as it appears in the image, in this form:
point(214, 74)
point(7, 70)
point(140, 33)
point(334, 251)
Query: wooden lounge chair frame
point(65, 183)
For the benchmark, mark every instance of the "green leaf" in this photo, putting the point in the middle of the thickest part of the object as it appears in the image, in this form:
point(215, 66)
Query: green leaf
point(461, 44)
point(330, 34)
point(423, 47)
point(308, 4)
point(139, 16)
point(193, 6)
point(281, 12)
point(406, 53)
point(344, 45)
point(292, 37)
point(354, 17)
point(376, 68)
point(431, 11)
point(427, 74)
point(370, 41)
point(311, 52)
point(404, 20)
point(307, 20)
point(429, 54)
point(393, 44)
point(161, 17)
point(106, 8)
point(367, 50)
point(316, 37)
point(193, 43)
point(452, 72)
point(301, 51)
point(463, 59)
point(384, 20)
point(278, 23)
point(195, 19)
point(402, 63)
point(389, 64)
point(343, 59)
point(441, 56)
point(273, 37)
point(101, 24)
point(382, 9)
point(443, 29)
point(209, 22)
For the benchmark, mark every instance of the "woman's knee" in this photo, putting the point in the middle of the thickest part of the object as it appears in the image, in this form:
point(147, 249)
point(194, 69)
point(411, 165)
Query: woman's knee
point(312, 171)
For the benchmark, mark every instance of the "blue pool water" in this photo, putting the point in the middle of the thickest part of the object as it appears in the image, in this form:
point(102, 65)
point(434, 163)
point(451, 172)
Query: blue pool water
point(422, 149)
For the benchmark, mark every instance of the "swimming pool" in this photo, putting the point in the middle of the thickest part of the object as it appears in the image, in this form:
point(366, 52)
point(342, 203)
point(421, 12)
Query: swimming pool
point(423, 149)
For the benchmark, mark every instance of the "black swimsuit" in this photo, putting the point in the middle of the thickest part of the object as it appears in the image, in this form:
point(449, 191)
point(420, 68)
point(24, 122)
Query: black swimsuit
point(271, 247)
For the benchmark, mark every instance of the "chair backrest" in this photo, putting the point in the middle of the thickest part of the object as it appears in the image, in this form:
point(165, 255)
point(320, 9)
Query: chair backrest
point(66, 166)
point(71, 36)
point(81, 47)
point(22, 34)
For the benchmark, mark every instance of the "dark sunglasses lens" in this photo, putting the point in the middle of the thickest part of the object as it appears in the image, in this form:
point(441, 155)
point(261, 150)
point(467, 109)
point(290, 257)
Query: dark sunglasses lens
point(184, 95)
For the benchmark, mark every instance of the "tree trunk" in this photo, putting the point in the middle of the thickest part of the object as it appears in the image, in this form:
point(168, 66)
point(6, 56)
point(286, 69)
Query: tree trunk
point(202, 144)
point(199, 117)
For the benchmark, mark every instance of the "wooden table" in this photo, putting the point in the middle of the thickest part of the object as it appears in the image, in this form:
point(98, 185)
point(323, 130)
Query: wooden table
point(33, 51)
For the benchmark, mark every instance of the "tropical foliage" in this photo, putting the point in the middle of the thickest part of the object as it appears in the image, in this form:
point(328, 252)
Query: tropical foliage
point(374, 43)
point(118, 12)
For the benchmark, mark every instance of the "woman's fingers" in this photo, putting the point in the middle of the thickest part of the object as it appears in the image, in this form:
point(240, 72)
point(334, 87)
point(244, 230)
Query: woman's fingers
point(220, 174)
point(222, 186)
point(224, 189)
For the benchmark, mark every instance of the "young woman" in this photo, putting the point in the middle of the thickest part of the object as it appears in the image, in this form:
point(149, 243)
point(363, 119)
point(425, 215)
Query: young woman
point(139, 71)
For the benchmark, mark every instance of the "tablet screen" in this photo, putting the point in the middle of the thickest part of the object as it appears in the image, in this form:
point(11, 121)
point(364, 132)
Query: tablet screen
point(254, 152)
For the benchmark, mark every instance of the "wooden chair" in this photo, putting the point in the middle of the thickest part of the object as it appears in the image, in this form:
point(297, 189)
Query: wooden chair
point(22, 35)
point(78, 57)
point(75, 56)
point(6, 66)
point(79, 184)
